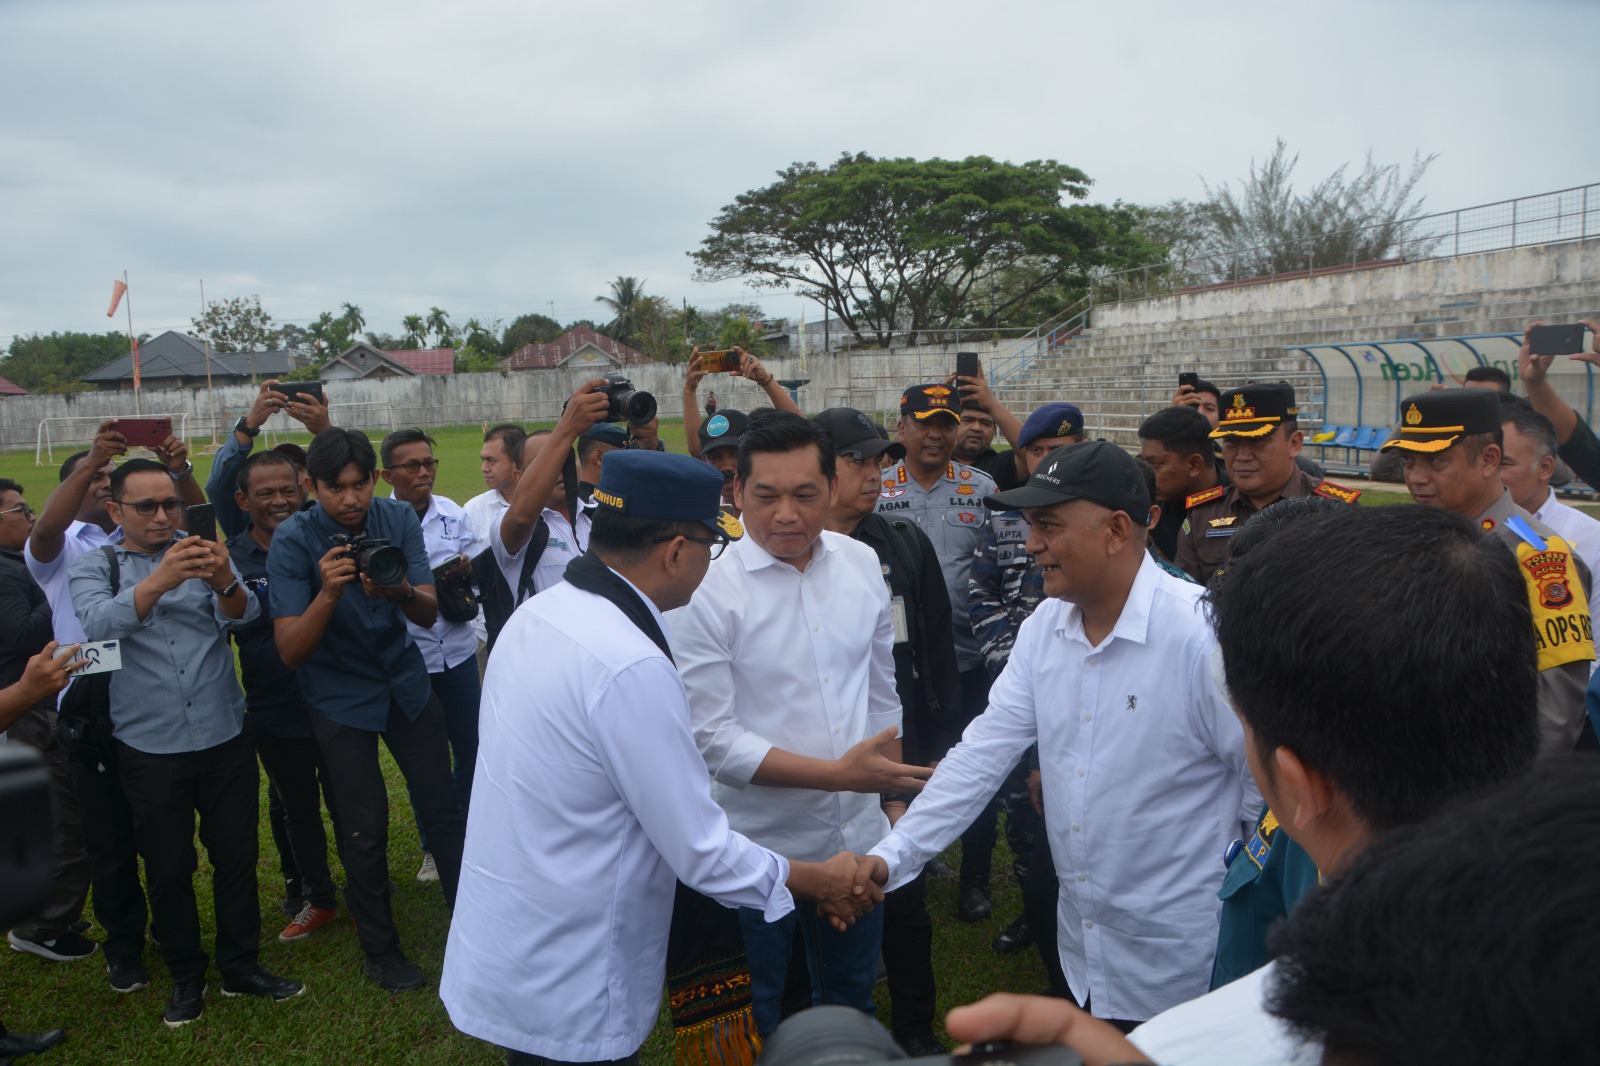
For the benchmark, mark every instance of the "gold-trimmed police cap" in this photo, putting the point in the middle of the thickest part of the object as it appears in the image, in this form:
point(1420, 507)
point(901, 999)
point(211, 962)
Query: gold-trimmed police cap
point(665, 486)
point(1430, 422)
point(922, 402)
point(1255, 410)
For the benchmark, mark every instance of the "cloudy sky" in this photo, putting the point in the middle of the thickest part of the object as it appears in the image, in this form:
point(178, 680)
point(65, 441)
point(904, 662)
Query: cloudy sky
point(494, 158)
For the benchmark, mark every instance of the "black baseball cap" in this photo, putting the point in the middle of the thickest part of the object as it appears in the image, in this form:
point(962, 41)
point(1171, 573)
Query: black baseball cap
point(723, 429)
point(855, 435)
point(1430, 422)
point(1096, 470)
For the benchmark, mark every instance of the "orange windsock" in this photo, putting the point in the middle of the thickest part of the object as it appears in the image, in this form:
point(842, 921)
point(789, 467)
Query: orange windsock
point(117, 289)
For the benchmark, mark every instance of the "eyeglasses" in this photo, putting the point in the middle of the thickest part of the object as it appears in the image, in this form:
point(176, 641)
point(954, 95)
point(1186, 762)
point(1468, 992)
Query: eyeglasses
point(415, 466)
point(27, 512)
point(148, 507)
point(717, 543)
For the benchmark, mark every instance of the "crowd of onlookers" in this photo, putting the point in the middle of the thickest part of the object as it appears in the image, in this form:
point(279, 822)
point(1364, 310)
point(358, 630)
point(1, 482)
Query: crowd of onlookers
point(1281, 776)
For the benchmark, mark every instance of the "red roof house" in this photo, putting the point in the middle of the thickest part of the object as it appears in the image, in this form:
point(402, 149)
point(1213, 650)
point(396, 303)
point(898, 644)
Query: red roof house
point(425, 360)
point(580, 346)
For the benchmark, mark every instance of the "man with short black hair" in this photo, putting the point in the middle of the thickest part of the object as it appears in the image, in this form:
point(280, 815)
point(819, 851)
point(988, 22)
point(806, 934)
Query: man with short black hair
point(178, 718)
point(364, 677)
point(500, 460)
point(787, 656)
point(982, 414)
point(449, 647)
point(1203, 397)
point(1452, 441)
point(595, 797)
point(1111, 677)
point(1176, 442)
point(303, 407)
point(594, 444)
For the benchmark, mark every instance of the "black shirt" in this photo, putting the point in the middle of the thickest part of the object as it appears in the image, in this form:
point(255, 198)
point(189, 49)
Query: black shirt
point(25, 626)
point(926, 677)
point(1002, 466)
point(273, 704)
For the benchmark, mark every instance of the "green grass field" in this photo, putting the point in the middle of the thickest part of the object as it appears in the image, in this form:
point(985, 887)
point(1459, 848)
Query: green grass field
point(343, 1017)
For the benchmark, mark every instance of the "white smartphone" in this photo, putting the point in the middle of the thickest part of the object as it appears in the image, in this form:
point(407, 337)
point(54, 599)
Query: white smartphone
point(103, 656)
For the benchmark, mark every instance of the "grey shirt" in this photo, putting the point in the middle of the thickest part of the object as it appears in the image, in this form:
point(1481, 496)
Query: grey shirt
point(177, 690)
point(951, 513)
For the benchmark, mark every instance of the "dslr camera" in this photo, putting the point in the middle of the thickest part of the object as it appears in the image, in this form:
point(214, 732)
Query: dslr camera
point(844, 1036)
point(626, 403)
point(377, 558)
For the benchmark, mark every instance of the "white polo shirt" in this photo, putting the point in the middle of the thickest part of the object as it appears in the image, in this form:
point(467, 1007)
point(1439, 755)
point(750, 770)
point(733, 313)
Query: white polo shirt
point(1145, 784)
point(801, 660)
point(590, 797)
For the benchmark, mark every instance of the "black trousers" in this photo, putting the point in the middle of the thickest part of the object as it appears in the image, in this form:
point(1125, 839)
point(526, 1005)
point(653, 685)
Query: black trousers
point(118, 899)
point(297, 786)
point(908, 959)
point(1041, 891)
point(522, 1058)
point(422, 751)
point(166, 792)
point(69, 887)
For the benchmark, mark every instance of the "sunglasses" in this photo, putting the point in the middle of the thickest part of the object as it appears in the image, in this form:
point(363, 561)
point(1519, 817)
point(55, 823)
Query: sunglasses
point(416, 466)
point(173, 506)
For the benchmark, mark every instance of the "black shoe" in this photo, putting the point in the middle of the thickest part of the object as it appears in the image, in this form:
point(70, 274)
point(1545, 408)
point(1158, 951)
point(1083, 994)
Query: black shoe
point(974, 905)
point(292, 905)
point(68, 947)
point(30, 1043)
point(81, 926)
point(394, 971)
point(187, 1002)
point(920, 1045)
point(938, 868)
point(259, 982)
point(1013, 937)
point(127, 975)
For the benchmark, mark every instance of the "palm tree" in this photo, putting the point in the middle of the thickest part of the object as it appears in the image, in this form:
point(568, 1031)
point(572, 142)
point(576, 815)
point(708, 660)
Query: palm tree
point(353, 319)
point(414, 330)
point(626, 295)
point(439, 326)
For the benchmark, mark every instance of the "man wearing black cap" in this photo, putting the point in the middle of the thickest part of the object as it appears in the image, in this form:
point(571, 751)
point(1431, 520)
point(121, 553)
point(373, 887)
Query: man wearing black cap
point(592, 795)
point(1261, 439)
point(925, 679)
point(719, 445)
point(1111, 677)
point(1452, 442)
point(942, 497)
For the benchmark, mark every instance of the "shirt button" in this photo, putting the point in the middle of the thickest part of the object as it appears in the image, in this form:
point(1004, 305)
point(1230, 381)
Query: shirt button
point(816, 629)
point(1093, 661)
point(1083, 877)
point(1080, 771)
point(1088, 718)
point(826, 678)
point(1088, 925)
point(1077, 828)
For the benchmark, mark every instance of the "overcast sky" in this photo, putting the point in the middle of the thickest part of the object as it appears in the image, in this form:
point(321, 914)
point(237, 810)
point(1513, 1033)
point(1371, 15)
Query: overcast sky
point(495, 158)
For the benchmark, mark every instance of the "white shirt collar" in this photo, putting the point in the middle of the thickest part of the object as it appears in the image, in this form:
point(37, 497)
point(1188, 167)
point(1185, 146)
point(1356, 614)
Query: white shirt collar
point(755, 557)
point(648, 602)
point(1134, 621)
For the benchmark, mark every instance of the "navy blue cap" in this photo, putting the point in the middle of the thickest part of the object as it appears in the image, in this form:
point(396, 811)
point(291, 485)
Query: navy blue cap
point(606, 433)
point(1051, 420)
point(667, 487)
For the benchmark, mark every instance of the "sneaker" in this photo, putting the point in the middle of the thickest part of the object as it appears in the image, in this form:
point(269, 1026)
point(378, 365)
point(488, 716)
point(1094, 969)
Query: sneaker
point(429, 871)
point(127, 975)
point(974, 905)
point(68, 947)
point(187, 1002)
point(394, 971)
point(292, 905)
point(920, 1045)
point(259, 982)
point(309, 920)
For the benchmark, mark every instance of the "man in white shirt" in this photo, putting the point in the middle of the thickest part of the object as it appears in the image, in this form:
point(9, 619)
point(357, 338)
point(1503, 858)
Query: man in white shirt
point(502, 445)
point(1527, 469)
point(449, 647)
point(566, 520)
point(787, 655)
point(1143, 761)
point(593, 796)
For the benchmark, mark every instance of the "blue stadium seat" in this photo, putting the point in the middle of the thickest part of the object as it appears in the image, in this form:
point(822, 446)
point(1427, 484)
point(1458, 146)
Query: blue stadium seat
point(1367, 438)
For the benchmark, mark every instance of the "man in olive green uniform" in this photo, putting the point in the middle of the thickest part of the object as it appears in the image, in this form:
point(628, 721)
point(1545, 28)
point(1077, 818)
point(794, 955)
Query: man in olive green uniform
point(1260, 440)
point(1451, 440)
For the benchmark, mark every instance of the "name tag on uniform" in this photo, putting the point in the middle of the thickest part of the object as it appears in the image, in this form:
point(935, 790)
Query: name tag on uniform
point(1224, 532)
point(902, 628)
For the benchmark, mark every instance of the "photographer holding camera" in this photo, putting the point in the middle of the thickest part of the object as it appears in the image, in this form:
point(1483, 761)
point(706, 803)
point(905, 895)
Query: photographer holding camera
point(346, 577)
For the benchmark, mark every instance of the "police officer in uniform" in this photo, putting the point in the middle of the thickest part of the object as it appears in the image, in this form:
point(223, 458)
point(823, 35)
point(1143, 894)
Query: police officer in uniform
point(945, 499)
point(1451, 441)
point(926, 680)
point(1260, 441)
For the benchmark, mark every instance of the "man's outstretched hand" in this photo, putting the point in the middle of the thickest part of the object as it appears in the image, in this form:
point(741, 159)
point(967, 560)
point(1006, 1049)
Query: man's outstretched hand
point(1036, 1020)
point(836, 886)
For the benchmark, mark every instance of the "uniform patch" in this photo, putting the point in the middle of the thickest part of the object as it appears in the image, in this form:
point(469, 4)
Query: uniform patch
point(964, 490)
point(968, 517)
point(900, 475)
point(888, 483)
point(1204, 497)
point(889, 494)
point(1549, 570)
point(1261, 840)
point(950, 471)
point(1486, 525)
point(1228, 521)
point(1338, 492)
point(1562, 630)
point(966, 475)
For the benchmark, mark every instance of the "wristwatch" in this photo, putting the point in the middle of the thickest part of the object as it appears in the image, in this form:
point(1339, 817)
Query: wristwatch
point(179, 475)
point(229, 591)
point(244, 427)
point(408, 597)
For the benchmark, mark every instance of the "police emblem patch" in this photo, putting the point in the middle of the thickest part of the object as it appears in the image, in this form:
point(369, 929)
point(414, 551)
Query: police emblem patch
point(964, 490)
point(968, 517)
point(1486, 525)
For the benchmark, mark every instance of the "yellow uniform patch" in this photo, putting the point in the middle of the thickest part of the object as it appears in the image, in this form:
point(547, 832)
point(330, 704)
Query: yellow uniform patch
point(1204, 497)
point(1338, 492)
point(1562, 629)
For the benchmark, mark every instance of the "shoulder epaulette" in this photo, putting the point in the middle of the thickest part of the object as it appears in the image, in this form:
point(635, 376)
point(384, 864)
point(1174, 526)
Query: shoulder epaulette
point(1338, 492)
point(1204, 497)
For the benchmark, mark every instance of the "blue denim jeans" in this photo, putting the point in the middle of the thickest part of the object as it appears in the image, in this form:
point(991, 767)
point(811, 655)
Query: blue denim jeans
point(843, 966)
point(459, 691)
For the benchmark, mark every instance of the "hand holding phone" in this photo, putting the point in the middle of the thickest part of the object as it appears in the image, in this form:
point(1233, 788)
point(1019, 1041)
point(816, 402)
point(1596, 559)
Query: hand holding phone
point(719, 362)
point(201, 521)
point(144, 432)
point(98, 656)
point(1188, 380)
point(1557, 340)
point(967, 367)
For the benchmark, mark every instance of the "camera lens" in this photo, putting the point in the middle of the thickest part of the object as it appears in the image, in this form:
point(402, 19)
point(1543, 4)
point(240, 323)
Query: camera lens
point(386, 566)
point(640, 408)
point(830, 1034)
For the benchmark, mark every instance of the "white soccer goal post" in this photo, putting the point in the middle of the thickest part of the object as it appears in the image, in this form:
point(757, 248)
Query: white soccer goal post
point(77, 430)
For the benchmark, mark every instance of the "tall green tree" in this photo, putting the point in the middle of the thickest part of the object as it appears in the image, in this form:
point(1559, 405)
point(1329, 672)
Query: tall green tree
point(416, 331)
point(439, 326)
point(529, 329)
point(330, 335)
point(353, 319)
point(895, 245)
point(56, 362)
point(237, 324)
point(627, 294)
point(1268, 226)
